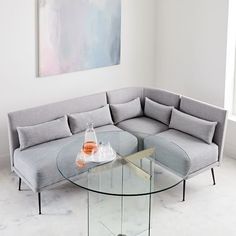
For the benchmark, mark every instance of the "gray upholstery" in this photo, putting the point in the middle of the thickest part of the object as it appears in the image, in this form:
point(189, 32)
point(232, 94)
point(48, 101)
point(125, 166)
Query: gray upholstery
point(158, 95)
point(126, 110)
point(37, 164)
point(37, 115)
point(192, 125)
point(124, 95)
point(107, 128)
point(208, 112)
point(157, 111)
point(162, 96)
point(99, 117)
point(142, 127)
point(199, 154)
point(45, 132)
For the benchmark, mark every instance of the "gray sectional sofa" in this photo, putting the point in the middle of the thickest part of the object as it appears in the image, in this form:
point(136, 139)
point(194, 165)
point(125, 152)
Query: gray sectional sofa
point(147, 114)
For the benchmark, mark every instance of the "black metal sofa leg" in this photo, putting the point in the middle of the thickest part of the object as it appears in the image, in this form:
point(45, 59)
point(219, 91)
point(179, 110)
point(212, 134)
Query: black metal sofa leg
point(39, 201)
point(19, 186)
point(213, 176)
point(39, 196)
point(184, 184)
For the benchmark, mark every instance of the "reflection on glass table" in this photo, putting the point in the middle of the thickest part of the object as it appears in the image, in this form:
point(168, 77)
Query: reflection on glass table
point(120, 191)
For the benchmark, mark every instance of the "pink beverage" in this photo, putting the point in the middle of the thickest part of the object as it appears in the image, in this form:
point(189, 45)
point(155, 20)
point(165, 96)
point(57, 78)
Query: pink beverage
point(90, 147)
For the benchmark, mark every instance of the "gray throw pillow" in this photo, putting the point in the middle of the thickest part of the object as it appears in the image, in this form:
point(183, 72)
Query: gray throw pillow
point(157, 111)
point(127, 110)
point(99, 117)
point(41, 133)
point(194, 126)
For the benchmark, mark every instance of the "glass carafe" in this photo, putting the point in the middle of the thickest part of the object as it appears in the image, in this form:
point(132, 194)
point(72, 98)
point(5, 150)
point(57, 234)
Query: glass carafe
point(90, 145)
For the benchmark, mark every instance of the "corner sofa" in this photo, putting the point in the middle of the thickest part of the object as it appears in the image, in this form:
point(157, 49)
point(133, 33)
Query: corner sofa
point(147, 114)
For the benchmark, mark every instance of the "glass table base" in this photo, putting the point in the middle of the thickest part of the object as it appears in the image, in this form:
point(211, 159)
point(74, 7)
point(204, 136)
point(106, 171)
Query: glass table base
point(110, 215)
point(121, 216)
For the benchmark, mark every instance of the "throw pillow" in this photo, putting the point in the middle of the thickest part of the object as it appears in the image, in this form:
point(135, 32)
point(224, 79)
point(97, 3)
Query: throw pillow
point(157, 111)
point(99, 117)
point(41, 133)
point(192, 125)
point(127, 110)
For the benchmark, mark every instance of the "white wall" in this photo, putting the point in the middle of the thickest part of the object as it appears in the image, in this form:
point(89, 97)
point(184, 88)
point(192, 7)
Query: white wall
point(189, 38)
point(20, 89)
point(230, 59)
point(191, 52)
point(191, 48)
point(230, 147)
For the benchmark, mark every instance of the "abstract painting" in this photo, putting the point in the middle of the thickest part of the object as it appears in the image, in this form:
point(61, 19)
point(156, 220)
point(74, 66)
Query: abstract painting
point(76, 35)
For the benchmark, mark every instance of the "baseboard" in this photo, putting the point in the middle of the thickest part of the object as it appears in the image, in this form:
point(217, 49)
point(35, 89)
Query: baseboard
point(230, 150)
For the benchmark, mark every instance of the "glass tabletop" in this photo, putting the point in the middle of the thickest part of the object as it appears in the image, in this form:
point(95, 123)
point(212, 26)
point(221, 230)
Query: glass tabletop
point(131, 173)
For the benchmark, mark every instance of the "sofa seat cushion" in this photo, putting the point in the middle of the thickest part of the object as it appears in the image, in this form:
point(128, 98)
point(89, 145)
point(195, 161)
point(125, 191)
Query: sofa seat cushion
point(142, 126)
point(199, 152)
point(37, 164)
point(107, 128)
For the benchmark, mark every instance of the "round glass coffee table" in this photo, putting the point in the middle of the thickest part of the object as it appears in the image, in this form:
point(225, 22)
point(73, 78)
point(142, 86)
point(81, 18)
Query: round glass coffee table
point(120, 192)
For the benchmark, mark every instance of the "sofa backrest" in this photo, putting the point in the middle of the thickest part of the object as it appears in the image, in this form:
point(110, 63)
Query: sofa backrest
point(207, 112)
point(50, 112)
point(124, 95)
point(162, 96)
point(53, 111)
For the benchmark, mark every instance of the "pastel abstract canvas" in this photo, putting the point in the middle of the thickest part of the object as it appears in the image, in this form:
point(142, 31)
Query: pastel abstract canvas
point(78, 35)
